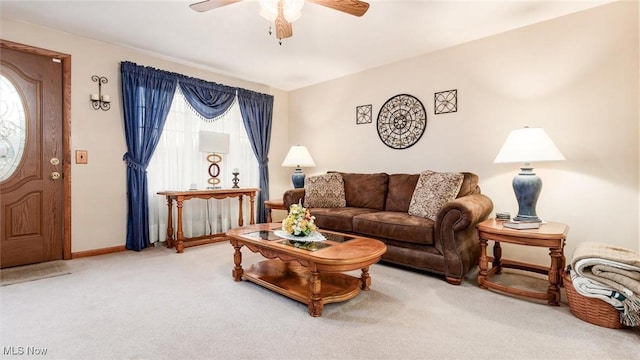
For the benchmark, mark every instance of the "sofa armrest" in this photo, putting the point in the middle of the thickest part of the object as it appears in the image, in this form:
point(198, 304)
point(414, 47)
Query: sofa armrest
point(456, 234)
point(292, 196)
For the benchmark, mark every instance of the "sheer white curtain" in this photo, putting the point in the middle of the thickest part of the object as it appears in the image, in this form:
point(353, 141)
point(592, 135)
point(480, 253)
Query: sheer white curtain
point(177, 164)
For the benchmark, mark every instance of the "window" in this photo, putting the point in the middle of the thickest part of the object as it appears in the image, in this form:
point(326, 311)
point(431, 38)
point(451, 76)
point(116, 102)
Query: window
point(177, 164)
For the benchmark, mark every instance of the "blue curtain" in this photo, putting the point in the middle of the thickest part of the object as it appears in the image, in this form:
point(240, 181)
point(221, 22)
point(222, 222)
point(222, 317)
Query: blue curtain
point(257, 111)
point(146, 98)
point(208, 99)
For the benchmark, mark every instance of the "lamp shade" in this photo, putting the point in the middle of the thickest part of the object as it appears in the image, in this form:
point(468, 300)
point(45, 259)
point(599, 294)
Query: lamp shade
point(298, 156)
point(213, 142)
point(528, 145)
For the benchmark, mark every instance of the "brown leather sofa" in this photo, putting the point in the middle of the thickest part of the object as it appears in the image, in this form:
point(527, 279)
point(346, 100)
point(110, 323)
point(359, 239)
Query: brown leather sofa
point(377, 207)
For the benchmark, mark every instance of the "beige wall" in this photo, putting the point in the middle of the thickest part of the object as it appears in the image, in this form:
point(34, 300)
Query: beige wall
point(575, 76)
point(98, 189)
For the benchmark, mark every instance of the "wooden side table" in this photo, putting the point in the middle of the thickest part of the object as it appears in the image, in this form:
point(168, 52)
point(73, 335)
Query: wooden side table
point(550, 235)
point(273, 205)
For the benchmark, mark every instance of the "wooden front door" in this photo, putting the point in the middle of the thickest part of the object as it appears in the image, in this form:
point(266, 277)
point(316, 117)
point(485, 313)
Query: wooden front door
point(32, 204)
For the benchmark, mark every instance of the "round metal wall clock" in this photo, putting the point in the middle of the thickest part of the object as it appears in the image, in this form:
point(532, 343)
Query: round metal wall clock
point(401, 121)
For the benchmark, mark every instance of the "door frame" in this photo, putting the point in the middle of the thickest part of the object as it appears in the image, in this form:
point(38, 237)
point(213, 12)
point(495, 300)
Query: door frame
point(66, 130)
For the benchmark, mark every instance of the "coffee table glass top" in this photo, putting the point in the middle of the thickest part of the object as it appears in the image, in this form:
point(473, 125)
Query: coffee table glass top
point(269, 235)
point(264, 235)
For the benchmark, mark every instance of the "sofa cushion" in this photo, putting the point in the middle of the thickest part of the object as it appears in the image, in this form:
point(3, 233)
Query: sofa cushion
point(365, 190)
point(433, 190)
point(393, 225)
point(324, 191)
point(400, 191)
point(469, 185)
point(337, 219)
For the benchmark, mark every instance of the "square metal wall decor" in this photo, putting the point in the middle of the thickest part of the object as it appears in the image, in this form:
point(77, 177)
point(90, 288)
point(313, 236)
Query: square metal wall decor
point(363, 114)
point(445, 101)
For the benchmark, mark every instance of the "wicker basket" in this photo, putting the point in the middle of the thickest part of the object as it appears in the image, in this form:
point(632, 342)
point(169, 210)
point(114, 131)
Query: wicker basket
point(591, 310)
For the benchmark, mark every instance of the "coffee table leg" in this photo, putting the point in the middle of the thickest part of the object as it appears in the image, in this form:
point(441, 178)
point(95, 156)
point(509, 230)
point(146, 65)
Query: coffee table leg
point(315, 305)
point(237, 260)
point(365, 278)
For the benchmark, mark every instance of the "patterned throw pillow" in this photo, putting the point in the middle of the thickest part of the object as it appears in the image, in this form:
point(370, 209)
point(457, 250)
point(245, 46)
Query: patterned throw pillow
point(432, 191)
point(324, 191)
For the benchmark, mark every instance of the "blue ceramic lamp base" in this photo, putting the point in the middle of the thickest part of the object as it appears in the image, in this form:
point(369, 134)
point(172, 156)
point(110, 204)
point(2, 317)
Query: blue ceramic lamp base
point(298, 178)
point(527, 186)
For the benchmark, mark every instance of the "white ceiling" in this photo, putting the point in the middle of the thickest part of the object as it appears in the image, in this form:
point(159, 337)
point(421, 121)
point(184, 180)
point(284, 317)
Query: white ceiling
point(326, 44)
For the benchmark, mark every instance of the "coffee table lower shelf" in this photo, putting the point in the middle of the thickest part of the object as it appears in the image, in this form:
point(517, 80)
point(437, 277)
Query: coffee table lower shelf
point(292, 280)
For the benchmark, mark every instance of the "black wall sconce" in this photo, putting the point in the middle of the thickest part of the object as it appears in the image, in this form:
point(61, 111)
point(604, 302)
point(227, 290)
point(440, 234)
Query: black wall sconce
point(99, 101)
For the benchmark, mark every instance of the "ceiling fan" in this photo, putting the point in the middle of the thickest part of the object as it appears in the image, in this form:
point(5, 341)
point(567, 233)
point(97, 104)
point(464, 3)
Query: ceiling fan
point(283, 12)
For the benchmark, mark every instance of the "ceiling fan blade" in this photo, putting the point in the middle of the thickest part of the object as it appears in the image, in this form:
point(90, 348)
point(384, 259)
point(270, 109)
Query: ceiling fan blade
point(283, 27)
point(211, 4)
point(352, 7)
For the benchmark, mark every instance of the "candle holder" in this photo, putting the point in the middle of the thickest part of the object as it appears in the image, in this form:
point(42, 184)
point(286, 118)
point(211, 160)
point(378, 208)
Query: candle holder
point(99, 101)
point(235, 179)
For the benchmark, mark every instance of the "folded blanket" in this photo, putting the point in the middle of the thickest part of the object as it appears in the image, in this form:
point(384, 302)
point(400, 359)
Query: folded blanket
point(593, 289)
point(614, 269)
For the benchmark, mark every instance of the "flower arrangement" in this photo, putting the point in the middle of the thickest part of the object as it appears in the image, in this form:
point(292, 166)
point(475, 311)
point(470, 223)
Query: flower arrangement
point(299, 222)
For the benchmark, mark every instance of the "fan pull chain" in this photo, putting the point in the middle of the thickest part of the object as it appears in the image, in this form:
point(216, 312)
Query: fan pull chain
point(271, 32)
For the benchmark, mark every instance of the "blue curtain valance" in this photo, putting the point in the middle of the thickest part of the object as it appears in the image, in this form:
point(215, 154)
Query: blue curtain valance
point(208, 99)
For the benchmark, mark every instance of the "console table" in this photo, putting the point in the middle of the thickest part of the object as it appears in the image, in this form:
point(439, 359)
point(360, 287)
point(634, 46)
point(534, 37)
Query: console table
point(179, 197)
point(550, 235)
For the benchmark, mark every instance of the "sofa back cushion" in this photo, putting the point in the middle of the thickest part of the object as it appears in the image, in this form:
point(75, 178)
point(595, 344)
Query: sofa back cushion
point(469, 185)
point(400, 191)
point(433, 190)
point(324, 191)
point(365, 190)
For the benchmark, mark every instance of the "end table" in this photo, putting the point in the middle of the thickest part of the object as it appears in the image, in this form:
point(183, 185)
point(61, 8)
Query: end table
point(550, 235)
point(273, 205)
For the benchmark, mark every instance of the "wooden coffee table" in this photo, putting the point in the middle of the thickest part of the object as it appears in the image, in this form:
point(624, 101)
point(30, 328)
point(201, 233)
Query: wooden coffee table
point(314, 277)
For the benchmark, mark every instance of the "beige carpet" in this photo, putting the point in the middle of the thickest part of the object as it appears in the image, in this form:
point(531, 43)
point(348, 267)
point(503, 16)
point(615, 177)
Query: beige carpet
point(20, 274)
point(157, 305)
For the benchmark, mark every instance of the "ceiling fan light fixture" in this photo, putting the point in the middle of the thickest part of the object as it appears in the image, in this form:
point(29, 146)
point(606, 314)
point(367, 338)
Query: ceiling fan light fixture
point(292, 9)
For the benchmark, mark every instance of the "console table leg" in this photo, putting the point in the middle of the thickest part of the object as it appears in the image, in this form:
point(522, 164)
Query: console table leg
point(180, 235)
point(237, 261)
point(315, 305)
point(240, 215)
point(365, 278)
point(252, 201)
point(169, 222)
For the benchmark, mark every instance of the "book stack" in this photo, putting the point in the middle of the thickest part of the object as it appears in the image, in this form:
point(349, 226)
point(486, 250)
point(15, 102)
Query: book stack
point(519, 225)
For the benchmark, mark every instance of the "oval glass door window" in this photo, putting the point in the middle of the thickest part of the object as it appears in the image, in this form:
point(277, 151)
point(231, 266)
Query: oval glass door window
point(12, 128)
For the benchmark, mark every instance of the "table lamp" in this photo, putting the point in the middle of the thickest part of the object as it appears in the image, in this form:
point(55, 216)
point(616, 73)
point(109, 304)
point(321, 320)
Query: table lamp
point(298, 156)
point(527, 145)
point(214, 143)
